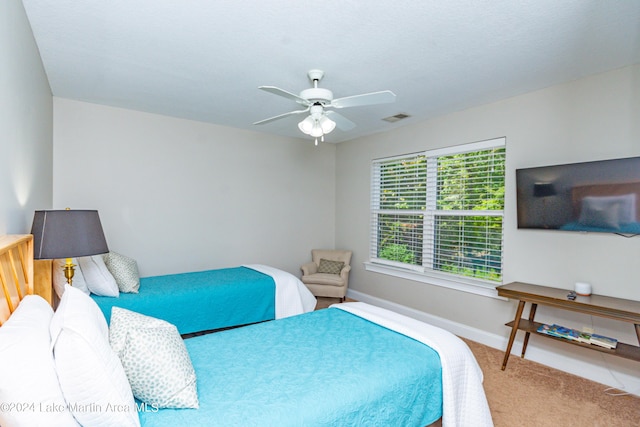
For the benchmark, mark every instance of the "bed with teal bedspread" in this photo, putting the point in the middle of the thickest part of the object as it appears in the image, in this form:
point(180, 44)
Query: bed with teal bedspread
point(324, 368)
point(200, 301)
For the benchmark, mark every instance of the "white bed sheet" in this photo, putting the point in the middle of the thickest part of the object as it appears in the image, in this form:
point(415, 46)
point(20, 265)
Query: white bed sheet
point(464, 401)
point(292, 296)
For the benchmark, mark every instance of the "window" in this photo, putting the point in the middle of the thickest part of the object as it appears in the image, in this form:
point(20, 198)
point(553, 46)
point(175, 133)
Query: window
point(440, 212)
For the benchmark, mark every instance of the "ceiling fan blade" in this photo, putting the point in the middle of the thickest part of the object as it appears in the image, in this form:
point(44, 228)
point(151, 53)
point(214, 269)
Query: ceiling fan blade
point(341, 121)
point(281, 92)
point(281, 116)
point(382, 97)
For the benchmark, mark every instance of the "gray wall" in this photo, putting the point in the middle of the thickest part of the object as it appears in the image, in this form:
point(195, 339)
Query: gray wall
point(180, 195)
point(26, 113)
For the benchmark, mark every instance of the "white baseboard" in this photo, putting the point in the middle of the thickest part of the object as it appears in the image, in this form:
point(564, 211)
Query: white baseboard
point(594, 366)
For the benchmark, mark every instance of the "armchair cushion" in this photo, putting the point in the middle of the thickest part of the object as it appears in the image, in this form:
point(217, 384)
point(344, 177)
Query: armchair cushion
point(325, 279)
point(330, 267)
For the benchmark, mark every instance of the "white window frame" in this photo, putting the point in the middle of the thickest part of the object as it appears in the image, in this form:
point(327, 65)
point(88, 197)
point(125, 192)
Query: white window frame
point(420, 273)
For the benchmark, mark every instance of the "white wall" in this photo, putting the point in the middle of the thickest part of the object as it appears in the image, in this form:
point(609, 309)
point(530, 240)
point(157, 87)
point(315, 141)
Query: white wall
point(590, 119)
point(25, 123)
point(180, 195)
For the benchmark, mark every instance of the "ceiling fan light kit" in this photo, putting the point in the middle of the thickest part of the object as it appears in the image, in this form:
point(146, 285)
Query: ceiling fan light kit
point(327, 124)
point(317, 124)
point(318, 102)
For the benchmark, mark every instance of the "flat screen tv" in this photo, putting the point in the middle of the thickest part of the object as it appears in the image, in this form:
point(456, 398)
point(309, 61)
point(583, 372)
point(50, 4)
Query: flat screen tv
point(599, 196)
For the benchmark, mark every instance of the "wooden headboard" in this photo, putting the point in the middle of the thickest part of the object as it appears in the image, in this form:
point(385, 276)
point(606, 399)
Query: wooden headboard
point(16, 271)
point(17, 275)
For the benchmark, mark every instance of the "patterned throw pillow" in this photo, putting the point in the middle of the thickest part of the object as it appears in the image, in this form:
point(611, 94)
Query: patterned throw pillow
point(154, 358)
point(124, 270)
point(330, 267)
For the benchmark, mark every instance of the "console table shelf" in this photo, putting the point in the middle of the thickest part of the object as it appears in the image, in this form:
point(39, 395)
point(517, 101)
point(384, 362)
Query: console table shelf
point(596, 305)
point(626, 351)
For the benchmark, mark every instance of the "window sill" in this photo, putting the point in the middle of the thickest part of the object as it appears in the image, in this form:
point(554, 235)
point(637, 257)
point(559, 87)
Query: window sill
point(443, 280)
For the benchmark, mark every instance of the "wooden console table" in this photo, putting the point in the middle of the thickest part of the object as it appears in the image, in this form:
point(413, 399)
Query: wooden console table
point(595, 305)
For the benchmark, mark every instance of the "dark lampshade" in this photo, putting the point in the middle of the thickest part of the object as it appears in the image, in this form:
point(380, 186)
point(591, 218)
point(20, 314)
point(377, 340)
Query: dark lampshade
point(67, 234)
point(543, 189)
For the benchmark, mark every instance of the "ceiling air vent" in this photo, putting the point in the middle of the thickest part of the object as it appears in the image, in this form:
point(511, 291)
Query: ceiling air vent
point(397, 117)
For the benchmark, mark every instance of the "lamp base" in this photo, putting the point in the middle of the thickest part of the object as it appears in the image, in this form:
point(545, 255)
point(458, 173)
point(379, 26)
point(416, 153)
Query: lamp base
point(69, 271)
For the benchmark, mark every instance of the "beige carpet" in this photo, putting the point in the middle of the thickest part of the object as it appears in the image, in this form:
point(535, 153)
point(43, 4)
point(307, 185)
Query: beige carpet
point(528, 394)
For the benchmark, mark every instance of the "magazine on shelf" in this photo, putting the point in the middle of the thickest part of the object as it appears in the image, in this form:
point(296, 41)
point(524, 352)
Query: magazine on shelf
point(575, 335)
point(559, 331)
point(603, 341)
point(585, 337)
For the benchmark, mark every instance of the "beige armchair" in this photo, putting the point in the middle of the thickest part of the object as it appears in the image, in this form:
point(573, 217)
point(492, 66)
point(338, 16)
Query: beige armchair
point(327, 275)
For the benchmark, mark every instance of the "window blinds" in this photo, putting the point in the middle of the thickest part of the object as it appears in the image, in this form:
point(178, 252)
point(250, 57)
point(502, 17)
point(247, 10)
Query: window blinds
point(441, 210)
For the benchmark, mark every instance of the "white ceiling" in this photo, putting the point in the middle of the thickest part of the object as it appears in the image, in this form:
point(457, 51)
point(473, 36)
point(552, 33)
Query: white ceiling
point(204, 59)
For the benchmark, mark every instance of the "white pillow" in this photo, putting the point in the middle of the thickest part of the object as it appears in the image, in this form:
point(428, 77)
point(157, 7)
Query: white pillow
point(99, 280)
point(91, 376)
point(59, 280)
point(27, 371)
point(124, 271)
point(155, 359)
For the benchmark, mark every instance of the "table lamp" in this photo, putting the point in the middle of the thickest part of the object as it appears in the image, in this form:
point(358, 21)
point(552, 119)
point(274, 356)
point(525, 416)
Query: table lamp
point(67, 234)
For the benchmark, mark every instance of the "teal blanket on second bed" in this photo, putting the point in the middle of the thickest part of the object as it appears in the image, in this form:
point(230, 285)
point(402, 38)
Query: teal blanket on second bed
point(202, 300)
point(323, 368)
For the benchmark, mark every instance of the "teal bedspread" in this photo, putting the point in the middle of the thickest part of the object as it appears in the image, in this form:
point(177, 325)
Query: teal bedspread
point(323, 368)
point(202, 300)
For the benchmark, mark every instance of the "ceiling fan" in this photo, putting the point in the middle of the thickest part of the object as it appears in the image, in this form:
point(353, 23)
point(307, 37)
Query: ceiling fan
point(319, 103)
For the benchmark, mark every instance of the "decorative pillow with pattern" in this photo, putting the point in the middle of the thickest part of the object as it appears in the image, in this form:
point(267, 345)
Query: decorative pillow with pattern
point(330, 267)
point(154, 358)
point(124, 270)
